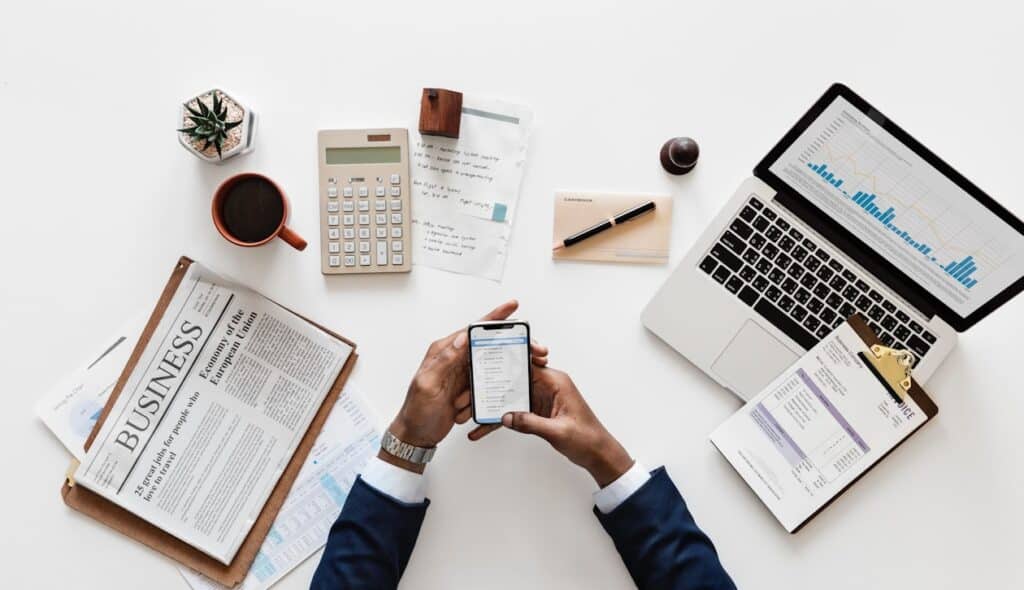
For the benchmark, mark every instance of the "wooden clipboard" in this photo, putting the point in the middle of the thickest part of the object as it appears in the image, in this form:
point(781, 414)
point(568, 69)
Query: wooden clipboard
point(130, 525)
point(914, 392)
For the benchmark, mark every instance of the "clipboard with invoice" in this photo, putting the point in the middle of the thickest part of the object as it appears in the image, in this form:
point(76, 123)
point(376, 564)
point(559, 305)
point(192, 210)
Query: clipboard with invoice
point(824, 423)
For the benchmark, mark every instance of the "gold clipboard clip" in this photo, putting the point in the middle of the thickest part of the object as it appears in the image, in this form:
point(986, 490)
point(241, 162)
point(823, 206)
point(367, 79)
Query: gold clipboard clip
point(893, 367)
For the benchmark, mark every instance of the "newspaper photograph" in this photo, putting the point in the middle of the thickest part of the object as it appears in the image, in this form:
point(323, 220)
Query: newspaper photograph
point(219, 400)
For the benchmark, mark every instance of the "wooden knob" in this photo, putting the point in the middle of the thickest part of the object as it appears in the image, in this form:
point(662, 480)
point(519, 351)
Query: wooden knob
point(679, 155)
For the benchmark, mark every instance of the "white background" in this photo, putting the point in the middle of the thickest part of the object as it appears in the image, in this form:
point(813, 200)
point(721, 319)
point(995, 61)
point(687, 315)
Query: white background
point(99, 200)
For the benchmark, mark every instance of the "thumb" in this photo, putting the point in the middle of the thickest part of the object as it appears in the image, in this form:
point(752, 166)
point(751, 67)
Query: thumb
point(529, 423)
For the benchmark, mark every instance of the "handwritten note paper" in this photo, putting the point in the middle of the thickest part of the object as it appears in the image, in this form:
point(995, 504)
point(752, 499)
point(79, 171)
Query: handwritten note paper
point(465, 190)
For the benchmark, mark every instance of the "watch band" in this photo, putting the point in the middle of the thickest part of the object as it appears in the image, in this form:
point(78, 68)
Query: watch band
point(406, 451)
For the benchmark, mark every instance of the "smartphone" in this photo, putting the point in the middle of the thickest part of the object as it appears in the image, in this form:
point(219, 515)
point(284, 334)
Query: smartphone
point(499, 369)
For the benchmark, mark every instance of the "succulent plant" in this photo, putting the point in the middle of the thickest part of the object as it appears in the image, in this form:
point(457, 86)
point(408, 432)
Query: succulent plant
point(210, 123)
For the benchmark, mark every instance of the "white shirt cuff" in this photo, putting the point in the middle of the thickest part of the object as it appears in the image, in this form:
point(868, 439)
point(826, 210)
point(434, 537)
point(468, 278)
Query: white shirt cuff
point(612, 495)
point(401, 484)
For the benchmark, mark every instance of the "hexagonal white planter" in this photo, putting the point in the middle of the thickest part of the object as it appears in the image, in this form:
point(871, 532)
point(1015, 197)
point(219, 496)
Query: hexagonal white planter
point(240, 139)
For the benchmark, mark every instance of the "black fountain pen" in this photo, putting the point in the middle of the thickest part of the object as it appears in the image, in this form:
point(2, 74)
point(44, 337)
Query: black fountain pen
point(631, 213)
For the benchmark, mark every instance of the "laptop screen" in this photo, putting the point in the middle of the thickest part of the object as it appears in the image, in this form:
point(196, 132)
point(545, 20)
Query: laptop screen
point(907, 210)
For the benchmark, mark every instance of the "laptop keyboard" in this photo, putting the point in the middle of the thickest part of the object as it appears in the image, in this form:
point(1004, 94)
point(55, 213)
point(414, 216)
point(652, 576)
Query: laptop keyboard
point(797, 286)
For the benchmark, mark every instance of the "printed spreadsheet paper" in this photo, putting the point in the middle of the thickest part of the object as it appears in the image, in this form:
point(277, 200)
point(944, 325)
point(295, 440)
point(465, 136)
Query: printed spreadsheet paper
point(348, 439)
point(821, 424)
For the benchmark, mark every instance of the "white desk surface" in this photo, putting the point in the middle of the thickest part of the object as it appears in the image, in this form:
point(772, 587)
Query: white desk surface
point(99, 201)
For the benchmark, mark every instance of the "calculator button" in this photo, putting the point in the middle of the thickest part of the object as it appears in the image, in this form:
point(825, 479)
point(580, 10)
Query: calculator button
point(382, 232)
point(364, 205)
point(396, 232)
point(382, 253)
point(396, 259)
point(332, 192)
point(349, 233)
point(350, 261)
point(396, 218)
point(333, 219)
point(348, 206)
point(364, 247)
point(347, 191)
point(396, 191)
point(380, 191)
point(395, 179)
point(364, 192)
point(396, 246)
point(333, 233)
point(364, 260)
point(364, 219)
point(380, 205)
point(333, 247)
point(364, 233)
point(348, 219)
point(381, 219)
point(396, 204)
point(350, 247)
point(332, 207)
point(334, 260)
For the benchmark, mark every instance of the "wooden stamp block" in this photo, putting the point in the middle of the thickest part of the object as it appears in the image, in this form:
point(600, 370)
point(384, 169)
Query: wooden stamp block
point(440, 112)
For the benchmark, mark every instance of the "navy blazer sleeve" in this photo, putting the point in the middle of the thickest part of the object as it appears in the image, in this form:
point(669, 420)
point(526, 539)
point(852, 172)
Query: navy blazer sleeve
point(660, 542)
point(370, 543)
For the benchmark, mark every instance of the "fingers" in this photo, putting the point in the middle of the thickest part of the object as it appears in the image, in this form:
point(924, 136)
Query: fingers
point(482, 431)
point(463, 416)
point(528, 423)
point(461, 400)
point(502, 311)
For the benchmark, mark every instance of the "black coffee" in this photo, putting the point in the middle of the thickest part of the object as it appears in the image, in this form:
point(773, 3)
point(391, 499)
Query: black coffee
point(252, 209)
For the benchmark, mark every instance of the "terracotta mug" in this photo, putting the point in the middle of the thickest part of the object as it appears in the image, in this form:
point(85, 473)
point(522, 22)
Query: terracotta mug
point(250, 210)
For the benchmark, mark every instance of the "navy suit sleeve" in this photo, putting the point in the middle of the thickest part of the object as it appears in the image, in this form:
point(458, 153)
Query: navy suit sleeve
point(370, 543)
point(659, 541)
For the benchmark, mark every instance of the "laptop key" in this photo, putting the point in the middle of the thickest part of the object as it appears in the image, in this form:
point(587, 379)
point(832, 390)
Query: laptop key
point(760, 223)
point(770, 250)
point(888, 322)
point(748, 213)
point(815, 305)
point(823, 331)
point(789, 286)
point(862, 285)
point(763, 266)
point(733, 243)
point(915, 326)
point(733, 284)
point(740, 228)
point(799, 254)
point(863, 303)
point(886, 339)
point(755, 203)
point(721, 274)
point(769, 214)
point(803, 295)
point(834, 301)
point(812, 323)
point(824, 273)
point(811, 246)
point(888, 306)
point(837, 321)
point(773, 233)
point(918, 345)
point(726, 257)
point(795, 233)
point(796, 271)
point(822, 255)
point(760, 283)
point(786, 244)
point(782, 223)
point(876, 313)
point(750, 256)
point(809, 282)
point(784, 323)
point(846, 310)
point(848, 275)
point(827, 315)
point(901, 332)
point(850, 293)
point(748, 274)
point(798, 313)
point(902, 316)
point(773, 293)
point(875, 328)
point(834, 265)
point(748, 295)
point(875, 296)
point(837, 283)
point(708, 264)
point(928, 337)
point(812, 263)
point(776, 276)
point(822, 290)
point(757, 240)
point(783, 261)
point(786, 304)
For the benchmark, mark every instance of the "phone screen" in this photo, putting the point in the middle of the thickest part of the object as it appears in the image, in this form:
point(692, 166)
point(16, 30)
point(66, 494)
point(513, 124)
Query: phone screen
point(500, 359)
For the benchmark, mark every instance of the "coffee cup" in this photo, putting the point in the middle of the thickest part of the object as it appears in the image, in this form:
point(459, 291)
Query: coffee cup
point(250, 210)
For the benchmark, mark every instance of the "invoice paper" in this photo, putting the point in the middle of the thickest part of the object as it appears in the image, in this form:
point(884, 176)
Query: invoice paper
point(71, 408)
point(465, 189)
point(211, 414)
point(349, 438)
point(817, 427)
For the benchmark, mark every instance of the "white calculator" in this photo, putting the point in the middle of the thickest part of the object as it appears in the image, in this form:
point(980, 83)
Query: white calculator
point(364, 201)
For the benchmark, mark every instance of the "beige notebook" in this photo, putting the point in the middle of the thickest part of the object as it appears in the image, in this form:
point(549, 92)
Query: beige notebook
point(641, 240)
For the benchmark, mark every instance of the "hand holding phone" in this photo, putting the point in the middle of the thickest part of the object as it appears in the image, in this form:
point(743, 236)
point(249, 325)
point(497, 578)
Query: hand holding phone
point(500, 369)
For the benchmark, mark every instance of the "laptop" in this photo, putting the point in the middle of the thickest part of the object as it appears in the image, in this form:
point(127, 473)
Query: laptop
point(847, 214)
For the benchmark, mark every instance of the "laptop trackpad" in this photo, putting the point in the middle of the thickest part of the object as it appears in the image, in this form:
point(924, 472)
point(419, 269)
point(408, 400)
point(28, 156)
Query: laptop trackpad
point(752, 360)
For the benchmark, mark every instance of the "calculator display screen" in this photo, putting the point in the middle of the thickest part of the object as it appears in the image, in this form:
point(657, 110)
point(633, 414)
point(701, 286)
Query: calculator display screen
point(364, 155)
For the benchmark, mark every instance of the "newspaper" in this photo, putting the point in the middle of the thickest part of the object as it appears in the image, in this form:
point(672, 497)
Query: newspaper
point(210, 417)
point(348, 439)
